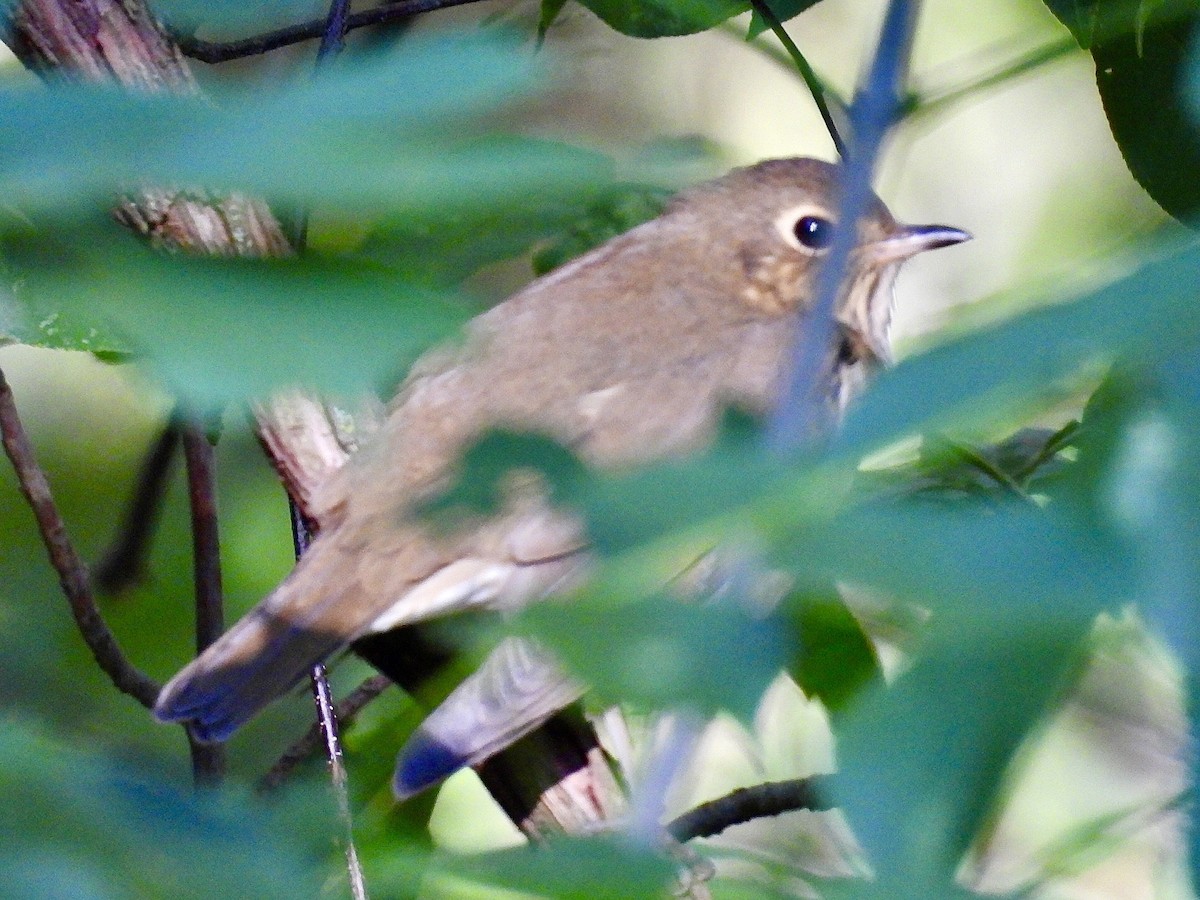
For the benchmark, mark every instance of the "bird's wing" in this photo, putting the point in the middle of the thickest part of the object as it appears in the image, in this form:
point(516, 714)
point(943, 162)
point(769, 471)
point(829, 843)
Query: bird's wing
point(517, 688)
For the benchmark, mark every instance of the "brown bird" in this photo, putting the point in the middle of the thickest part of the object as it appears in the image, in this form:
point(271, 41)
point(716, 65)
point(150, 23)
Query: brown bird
point(627, 354)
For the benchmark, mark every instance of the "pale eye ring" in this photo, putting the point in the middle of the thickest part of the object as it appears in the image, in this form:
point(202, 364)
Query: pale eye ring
point(814, 233)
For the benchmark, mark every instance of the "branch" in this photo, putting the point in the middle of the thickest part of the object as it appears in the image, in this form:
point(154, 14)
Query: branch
point(72, 573)
point(746, 804)
point(208, 760)
point(218, 51)
point(802, 413)
point(313, 739)
point(814, 84)
point(124, 564)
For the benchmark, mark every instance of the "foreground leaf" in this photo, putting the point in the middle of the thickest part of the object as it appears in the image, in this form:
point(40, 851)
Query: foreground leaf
point(219, 330)
point(1141, 54)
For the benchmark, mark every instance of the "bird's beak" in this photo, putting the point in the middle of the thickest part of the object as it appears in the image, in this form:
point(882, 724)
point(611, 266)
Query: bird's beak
point(909, 240)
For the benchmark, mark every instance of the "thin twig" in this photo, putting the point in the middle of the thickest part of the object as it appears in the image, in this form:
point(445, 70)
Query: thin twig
point(327, 717)
point(325, 732)
point(206, 562)
point(124, 564)
point(815, 86)
point(208, 760)
point(803, 411)
point(746, 804)
point(72, 573)
point(217, 51)
point(931, 102)
point(313, 739)
point(332, 42)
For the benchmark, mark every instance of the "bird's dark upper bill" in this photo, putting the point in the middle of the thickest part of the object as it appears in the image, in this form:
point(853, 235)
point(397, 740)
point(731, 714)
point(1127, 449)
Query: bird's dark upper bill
point(910, 240)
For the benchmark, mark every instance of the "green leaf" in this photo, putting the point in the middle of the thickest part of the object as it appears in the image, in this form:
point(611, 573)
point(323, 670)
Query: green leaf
point(664, 18)
point(78, 826)
point(922, 761)
point(1141, 55)
point(1150, 492)
point(451, 245)
point(623, 509)
point(402, 132)
point(620, 209)
point(479, 488)
point(58, 330)
point(594, 868)
point(217, 330)
point(550, 12)
point(1010, 559)
point(664, 653)
point(1035, 359)
point(836, 659)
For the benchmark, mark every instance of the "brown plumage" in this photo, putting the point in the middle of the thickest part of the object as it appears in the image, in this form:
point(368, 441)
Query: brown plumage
point(627, 354)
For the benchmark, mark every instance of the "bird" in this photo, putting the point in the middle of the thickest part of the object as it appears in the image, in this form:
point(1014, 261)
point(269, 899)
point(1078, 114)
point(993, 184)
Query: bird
point(626, 355)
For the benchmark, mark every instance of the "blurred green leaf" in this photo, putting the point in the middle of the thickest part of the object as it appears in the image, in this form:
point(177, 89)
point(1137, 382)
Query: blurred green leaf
point(405, 131)
point(1035, 359)
point(566, 869)
point(836, 659)
point(923, 760)
point(82, 827)
point(663, 652)
point(620, 209)
point(1140, 51)
point(1008, 559)
point(58, 330)
point(218, 330)
point(445, 248)
point(234, 19)
point(1150, 492)
point(629, 508)
point(550, 12)
point(664, 18)
point(479, 488)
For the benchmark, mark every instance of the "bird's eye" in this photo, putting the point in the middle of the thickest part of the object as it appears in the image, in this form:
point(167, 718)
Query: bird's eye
point(814, 232)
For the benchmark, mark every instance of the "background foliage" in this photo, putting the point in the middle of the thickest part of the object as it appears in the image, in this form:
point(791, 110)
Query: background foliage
point(425, 167)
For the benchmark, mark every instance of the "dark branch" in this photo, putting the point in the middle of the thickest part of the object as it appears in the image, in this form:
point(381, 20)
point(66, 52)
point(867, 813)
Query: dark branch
point(208, 760)
point(216, 51)
point(746, 804)
point(124, 564)
point(314, 738)
point(206, 550)
point(72, 573)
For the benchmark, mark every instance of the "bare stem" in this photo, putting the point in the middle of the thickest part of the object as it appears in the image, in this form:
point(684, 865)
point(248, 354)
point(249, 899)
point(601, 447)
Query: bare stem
point(72, 573)
point(747, 804)
point(314, 738)
point(325, 731)
point(208, 760)
point(217, 51)
point(124, 564)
